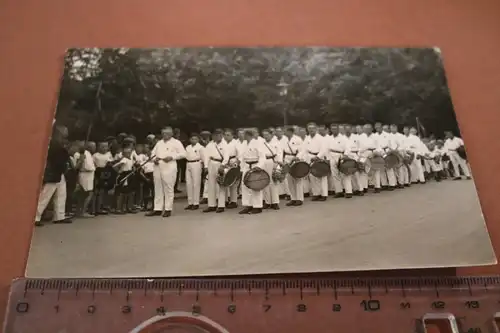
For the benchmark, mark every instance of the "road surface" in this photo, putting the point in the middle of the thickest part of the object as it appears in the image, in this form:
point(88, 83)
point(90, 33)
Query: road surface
point(432, 225)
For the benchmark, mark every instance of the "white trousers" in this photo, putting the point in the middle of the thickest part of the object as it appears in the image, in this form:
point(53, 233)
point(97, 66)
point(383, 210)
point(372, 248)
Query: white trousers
point(388, 177)
point(232, 192)
point(417, 171)
point(49, 190)
point(249, 197)
point(216, 193)
point(271, 193)
point(335, 180)
point(193, 182)
point(283, 188)
point(435, 166)
point(319, 186)
point(457, 161)
point(306, 185)
point(164, 175)
point(205, 188)
point(296, 188)
point(403, 175)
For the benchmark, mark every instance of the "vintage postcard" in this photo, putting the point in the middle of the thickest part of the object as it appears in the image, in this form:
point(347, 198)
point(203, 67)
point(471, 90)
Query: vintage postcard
point(226, 161)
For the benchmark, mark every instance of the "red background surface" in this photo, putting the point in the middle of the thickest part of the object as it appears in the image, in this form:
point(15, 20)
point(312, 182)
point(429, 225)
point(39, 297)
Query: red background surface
point(34, 35)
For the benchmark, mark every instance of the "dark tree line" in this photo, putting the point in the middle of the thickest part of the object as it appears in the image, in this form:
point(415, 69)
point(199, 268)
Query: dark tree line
point(138, 91)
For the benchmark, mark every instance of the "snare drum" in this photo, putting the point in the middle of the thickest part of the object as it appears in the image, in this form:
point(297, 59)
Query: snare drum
point(320, 168)
point(347, 166)
point(228, 176)
point(299, 169)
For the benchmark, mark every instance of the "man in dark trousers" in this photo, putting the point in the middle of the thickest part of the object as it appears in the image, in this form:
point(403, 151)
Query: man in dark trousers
point(54, 183)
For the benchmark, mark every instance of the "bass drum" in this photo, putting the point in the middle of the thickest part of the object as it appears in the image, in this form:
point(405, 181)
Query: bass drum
point(320, 168)
point(377, 162)
point(228, 176)
point(256, 179)
point(299, 169)
point(393, 160)
point(347, 166)
point(364, 165)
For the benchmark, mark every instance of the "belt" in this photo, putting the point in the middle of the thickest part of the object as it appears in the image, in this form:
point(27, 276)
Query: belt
point(252, 162)
point(215, 159)
point(231, 157)
point(313, 153)
point(270, 157)
point(291, 154)
point(336, 151)
point(193, 161)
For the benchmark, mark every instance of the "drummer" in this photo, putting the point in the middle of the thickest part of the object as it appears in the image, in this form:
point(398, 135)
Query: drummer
point(274, 158)
point(213, 157)
point(352, 152)
point(386, 145)
point(292, 152)
point(335, 146)
point(194, 166)
point(253, 155)
point(231, 159)
point(398, 140)
point(314, 150)
point(284, 191)
point(451, 144)
point(368, 146)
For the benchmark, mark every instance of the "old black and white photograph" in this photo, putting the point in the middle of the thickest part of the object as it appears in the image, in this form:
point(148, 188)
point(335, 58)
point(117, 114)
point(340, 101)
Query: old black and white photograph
point(227, 161)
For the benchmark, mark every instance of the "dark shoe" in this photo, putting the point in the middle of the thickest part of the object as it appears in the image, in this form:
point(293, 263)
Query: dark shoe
point(348, 196)
point(132, 211)
point(287, 197)
point(371, 186)
point(232, 205)
point(153, 213)
point(167, 213)
point(282, 196)
point(422, 183)
point(322, 198)
point(306, 195)
point(385, 187)
point(275, 206)
point(401, 186)
point(338, 195)
point(290, 203)
point(63, 221)
point(209, 209)
point(38, 224)
point(246, 210)
point(331, 192)
point(377, 190)
point(359, 193)
point(266, 206)
point(468, 178)
point(391, 188)
point(298, 203)
point(219, 210)
point(315, 198)
point(203, 201)
point(177, 191)
point(407, 185)
point(195, 207)
point(256, 211)
point(457, 178)
point(365, 190)
point(101, 212)
point(190, 207)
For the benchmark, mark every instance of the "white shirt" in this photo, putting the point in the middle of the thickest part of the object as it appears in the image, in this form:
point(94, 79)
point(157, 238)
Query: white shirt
point(334, 146)
point(292, 147)
point(384, 141)
point(453, 144)
point(314, 147)
point(367, 143)
point(253, 152)
point(141, 158)
point(88, 162)
point(240, 146)
point(194, 153)
point(273, 148)
point(170, 148)
point(214, 152)
point(352, 146)
point(413, 143)
point(231, 151)
point(399, 140)
point(134, 156)
point(100, 160)
point(125, 164)
point(283, 140)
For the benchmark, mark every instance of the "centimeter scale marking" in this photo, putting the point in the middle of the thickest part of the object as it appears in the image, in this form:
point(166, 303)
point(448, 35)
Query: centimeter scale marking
point(466, 304)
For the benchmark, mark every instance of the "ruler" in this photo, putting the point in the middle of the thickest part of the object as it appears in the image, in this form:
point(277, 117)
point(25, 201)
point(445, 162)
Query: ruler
point(372, 305)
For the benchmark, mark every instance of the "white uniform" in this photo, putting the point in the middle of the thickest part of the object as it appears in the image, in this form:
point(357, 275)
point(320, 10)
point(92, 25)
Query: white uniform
point(283, 188)
point(213, 158)
point(231, 156)
point(291, 149)
point(314, 147)
point(414, 144)
point(101, 160)
point(165, 173)
point(87, 171)
point(335, 147)
point(367, 145)
point(194, 160)
point(240, 148)
point(352, 151)
point(451, 146)
point(398, 140)
point(274, 155)
point(436, 166)
point(385, 144)
point(252, 156)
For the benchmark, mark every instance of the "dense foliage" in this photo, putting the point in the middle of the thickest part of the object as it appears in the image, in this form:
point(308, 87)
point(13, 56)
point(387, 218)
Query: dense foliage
point(139, 90)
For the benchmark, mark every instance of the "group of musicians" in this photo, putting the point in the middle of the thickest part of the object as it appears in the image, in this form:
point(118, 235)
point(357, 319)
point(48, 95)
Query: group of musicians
point(260, 167)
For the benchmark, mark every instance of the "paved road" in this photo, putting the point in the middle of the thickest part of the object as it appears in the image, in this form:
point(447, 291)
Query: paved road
point(432, 225)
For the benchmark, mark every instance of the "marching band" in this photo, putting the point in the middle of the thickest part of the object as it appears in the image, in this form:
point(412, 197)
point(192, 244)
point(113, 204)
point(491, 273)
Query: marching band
point(260, 167)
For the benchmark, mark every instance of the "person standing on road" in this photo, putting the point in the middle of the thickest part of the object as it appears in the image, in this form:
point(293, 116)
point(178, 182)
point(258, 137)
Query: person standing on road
point(214, 156)
point(54, 183)
point(451, 145)
point(194, 167)
point(166, 151)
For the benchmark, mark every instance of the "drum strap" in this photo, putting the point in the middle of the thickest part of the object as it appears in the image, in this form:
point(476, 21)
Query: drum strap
point(272, 153)
point(220, 154)
point(291, 150)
